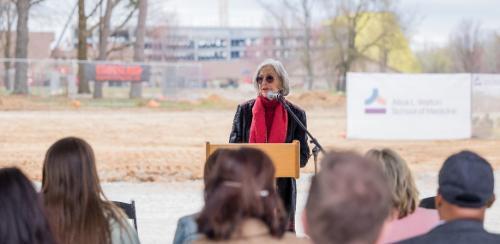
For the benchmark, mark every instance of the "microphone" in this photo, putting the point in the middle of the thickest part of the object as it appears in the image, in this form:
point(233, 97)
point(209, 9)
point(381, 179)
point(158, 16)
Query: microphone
point(274, 95)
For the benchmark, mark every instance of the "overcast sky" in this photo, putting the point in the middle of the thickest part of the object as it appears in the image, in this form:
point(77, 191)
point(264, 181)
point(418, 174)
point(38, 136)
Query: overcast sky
point(433, 22)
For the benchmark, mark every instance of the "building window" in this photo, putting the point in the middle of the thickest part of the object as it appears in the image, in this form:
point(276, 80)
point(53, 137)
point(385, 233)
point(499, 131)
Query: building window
point(237, 42)
point(235, 54)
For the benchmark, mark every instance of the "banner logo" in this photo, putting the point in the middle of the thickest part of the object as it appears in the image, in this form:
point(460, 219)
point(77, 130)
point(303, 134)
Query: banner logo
point(375, 104)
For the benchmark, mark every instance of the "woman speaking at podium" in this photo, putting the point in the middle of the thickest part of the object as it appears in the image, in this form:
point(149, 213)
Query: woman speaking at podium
point(265, 120)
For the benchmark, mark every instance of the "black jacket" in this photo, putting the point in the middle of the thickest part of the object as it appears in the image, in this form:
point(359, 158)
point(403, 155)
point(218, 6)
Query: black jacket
point(456, 232)
point(241, 134)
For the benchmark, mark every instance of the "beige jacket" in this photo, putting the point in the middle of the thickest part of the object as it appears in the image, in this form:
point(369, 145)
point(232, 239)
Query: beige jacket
point(254, 231)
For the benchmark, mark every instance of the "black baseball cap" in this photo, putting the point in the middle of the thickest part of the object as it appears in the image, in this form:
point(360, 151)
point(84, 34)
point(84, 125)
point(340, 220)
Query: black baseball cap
point(466, 179)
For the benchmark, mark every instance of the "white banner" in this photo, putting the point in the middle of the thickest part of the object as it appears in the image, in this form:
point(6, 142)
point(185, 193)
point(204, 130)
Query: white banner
point(408, 106)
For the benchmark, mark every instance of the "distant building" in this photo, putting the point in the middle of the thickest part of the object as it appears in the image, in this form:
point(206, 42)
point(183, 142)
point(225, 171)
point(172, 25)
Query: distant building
point(39, 46)
point(222, 52)
point(220, 43)
point(171, 44)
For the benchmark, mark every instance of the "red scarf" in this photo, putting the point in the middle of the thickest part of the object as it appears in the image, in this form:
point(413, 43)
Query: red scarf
point(269, 121)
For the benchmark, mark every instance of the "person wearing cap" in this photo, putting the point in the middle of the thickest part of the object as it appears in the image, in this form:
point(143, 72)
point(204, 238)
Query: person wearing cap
point(265, 120)
point(466, 185)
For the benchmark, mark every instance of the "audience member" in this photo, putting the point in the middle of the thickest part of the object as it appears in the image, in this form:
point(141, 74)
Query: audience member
point(349, 201)
point(22, 219)
point(187, 229)
point(408, 220)
point(466, 185)
point(78, 211)
point(428, 203)
point(241, 201)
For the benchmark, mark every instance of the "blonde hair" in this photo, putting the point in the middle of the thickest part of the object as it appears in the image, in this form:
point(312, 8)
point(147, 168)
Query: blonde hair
point(403, 188)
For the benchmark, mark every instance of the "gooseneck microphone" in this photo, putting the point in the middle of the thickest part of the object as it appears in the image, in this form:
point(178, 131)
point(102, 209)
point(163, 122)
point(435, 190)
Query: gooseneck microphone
point(274, 96)
point(317, 147)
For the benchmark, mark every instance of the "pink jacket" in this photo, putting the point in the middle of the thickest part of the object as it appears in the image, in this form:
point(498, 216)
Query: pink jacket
point(419, 222)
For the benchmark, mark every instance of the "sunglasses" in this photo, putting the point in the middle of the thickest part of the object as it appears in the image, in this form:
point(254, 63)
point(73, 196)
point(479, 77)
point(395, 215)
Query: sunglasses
point(269, 79)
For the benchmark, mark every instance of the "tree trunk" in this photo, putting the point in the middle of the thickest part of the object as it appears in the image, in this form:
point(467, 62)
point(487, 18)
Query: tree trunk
point(8, 48)
point(307, 52)
point(22, 39)
point(83, 82)
point(351, 56)
point(140, 32)
point(342, 80)
point(104, 32)
point(384, 59)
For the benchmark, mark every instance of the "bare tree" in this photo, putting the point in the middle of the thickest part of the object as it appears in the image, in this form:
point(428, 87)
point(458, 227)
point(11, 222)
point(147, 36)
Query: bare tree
point(22, 39)
point(303, 15)
point(495, 42)
point(83, 33)
point(301, 11)
point(105, 32)
point(82, 47)
point(497, 53)
point(140, 32)
point(388, 41)
point(348, 18)
point(466, 44)
point(434, 59)
point(7, 18)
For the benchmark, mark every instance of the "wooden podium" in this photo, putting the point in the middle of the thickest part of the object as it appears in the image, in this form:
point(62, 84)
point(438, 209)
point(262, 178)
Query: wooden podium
point(285, 156)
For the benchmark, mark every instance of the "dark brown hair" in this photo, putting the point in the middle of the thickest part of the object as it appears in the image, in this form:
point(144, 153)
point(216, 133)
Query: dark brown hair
point(209, 164)
point(78, 210)
point(22, 217)
point(349, 200)
point(241, 187)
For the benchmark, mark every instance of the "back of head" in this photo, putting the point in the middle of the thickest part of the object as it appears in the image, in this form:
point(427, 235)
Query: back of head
point(22, 218)
point(241, 187)
point(348, 202)
point(403, 188)
point(72, 193)
point(210, 163)
point(466, 181)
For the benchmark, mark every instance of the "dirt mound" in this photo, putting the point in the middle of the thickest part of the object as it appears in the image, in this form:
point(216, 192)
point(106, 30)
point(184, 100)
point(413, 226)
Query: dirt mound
point(13, 102)
point(215, 101)
point(317, 99)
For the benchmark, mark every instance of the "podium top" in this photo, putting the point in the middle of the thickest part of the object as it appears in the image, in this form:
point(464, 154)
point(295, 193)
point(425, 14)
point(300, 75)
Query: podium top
point(285, 156)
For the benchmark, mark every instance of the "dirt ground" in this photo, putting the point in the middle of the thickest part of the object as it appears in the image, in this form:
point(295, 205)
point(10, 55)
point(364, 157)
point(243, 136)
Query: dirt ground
point(156, 144)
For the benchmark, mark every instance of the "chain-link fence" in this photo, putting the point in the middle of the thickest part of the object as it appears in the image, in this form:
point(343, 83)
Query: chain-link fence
point(61, 78)
point(172, 81)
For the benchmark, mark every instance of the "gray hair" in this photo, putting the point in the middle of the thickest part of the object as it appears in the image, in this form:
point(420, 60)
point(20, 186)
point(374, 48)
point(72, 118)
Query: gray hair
point(280, 70)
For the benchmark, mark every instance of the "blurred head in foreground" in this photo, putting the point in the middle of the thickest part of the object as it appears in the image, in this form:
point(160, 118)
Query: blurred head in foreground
point(241, 187)
point(349, 201)
point(466, 185)
point(78, 210)
point(403, 189)
point(210, 163)
point(22, 219)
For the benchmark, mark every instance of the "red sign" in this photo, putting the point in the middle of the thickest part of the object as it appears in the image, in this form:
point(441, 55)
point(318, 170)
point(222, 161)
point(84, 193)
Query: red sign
point(116, 72)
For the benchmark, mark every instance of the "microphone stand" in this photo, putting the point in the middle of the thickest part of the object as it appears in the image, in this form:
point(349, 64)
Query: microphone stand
point(317, 147)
